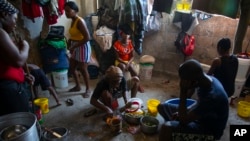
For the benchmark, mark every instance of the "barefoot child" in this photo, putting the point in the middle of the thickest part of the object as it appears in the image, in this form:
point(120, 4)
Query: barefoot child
point(41, 79)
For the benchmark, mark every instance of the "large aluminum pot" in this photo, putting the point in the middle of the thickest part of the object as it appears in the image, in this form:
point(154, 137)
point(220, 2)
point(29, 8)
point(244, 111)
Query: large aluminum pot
point(20, 126)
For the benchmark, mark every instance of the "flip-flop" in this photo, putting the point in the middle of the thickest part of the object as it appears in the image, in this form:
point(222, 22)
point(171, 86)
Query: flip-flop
point(69, 102)
point(90, 112)
point(86, 94)
point(75, 89)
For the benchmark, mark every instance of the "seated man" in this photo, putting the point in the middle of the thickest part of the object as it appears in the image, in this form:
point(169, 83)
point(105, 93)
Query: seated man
point(208, 117)
point(112, 86)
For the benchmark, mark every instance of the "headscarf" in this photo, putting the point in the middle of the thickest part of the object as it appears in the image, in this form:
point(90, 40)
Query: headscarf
point(7, 7)
point(114, 73)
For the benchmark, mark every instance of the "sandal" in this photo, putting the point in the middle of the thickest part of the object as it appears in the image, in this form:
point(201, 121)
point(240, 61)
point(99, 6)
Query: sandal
point(75, 89)
point(90, 112)
point(86, 94)
point(69, 102)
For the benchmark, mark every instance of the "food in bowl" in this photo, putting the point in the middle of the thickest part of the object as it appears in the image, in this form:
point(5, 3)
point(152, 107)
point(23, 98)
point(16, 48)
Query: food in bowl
point(149, 124)
point(134, 117)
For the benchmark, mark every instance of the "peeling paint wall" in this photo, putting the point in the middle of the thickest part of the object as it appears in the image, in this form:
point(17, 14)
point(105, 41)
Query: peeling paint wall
point(161, 43)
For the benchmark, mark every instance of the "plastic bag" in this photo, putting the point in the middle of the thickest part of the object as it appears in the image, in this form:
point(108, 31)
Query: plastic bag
point(154, 22)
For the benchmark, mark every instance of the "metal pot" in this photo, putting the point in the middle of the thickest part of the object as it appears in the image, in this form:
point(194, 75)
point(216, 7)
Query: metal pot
point(20, 126)
point(63, 132)
point(149, 124)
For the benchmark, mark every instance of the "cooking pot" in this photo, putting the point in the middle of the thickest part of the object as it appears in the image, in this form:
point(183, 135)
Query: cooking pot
point(50, 135)
point(20, 126)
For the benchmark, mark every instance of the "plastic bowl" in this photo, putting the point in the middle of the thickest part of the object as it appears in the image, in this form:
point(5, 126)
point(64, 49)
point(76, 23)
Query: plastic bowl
point(243, 109)
point(190, 102)
point(149, 124)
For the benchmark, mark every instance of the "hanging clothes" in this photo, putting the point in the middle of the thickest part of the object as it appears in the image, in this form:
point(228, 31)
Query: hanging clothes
point(53, 10)
point(31, 9)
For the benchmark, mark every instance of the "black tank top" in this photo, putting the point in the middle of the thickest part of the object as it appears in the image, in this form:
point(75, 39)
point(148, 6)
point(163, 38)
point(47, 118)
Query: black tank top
point(226, 73)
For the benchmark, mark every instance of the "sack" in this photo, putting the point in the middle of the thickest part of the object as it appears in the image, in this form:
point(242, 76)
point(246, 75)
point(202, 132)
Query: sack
point(185, 43)
point(154, 23)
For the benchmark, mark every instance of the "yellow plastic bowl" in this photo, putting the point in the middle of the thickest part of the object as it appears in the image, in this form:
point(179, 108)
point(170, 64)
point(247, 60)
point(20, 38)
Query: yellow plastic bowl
point(243, 109)
point(152, 106)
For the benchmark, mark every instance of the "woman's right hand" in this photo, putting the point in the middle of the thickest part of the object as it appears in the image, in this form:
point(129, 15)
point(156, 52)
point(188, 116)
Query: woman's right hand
point(109, 112)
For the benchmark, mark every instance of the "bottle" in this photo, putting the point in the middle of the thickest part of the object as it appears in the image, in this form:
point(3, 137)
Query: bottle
point(179, 5)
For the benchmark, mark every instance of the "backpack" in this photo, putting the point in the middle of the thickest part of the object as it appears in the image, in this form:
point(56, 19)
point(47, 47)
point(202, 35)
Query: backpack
point(56, 32)
point(185, 43)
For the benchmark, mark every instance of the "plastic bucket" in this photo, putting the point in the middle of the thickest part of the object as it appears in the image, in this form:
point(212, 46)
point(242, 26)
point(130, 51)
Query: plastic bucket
point(94, 21)
point(238, 86)
point(146, 71)
point(60, 78)
point(152, 106)
point(243, 109)
point(205, 67)
point(242, 68)
point(43, 103)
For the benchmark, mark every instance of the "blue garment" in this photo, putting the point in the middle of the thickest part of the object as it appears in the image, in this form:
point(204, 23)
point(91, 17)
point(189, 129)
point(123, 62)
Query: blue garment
point(212, 107)
point(226, 73)
point(104, 85)
point(40, 79)
point(14, 97)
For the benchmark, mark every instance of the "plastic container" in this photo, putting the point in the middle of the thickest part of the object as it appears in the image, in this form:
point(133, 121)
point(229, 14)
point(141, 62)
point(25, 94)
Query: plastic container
point(43, 103)
point(60, 78)
point(242, 68)
point(205, 67)
point(184, 5)
point(243, 109)
point(146, 71)
point(94, 21)
point(152, 106)
point(190, 102)
point(238, 84)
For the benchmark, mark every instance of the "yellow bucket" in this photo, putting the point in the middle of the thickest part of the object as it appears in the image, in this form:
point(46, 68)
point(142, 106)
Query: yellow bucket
point(243, 109)
point(43, 103)
point(152, 106)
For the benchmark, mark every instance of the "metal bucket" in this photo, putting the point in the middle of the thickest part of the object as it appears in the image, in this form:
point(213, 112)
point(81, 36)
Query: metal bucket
point(48, 136)
point(19, 126)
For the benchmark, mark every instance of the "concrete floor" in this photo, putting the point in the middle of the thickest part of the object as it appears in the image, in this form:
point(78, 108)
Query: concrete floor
point(94, 128)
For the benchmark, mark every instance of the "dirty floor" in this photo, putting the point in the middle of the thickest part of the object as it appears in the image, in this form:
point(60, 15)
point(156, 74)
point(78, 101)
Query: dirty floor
point(93, 128)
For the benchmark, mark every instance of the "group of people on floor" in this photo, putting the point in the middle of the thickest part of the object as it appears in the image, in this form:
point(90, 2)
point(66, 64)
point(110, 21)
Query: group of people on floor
point(209, 116)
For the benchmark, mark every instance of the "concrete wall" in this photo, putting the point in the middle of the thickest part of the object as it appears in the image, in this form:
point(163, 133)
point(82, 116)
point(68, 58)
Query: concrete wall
point(161, 43)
